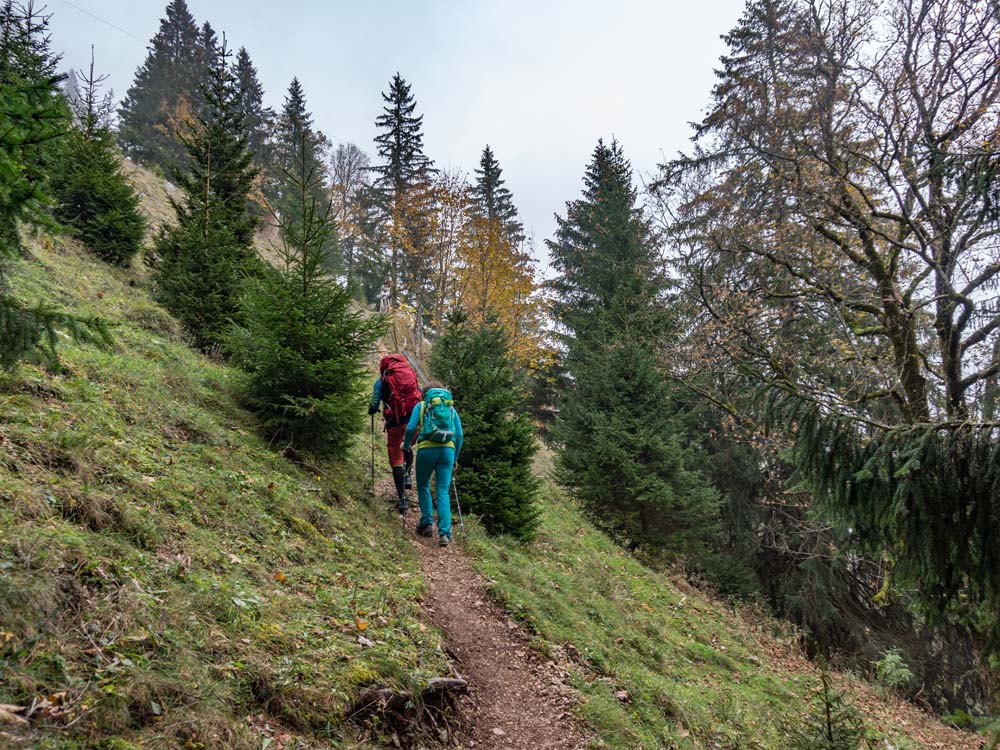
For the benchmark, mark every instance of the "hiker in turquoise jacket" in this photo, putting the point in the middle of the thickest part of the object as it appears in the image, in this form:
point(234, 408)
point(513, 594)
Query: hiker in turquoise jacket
point(434, 456)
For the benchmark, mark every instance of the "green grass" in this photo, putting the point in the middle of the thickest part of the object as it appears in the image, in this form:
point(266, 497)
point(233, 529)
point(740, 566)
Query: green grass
point(695, 673)
point(171, 579)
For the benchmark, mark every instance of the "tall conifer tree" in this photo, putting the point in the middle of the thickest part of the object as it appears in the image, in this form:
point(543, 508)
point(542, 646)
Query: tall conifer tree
point(297, 146)
point(257, 119)
point(92, 194)
point(201, 261)
point(491, 199)
point(164, 96)
point(32, 119)
point(402, 187)
point(620, 453)
point(206, 51)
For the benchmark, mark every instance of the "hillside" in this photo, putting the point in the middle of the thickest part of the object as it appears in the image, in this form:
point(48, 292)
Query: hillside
point(168, 580)
point(657, 663)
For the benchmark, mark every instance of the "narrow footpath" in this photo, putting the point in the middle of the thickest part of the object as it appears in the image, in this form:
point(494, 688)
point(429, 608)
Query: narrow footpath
point(517, 700)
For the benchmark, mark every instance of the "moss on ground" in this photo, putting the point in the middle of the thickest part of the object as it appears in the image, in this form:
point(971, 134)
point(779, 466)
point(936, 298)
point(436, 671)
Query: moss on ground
point(166, 578)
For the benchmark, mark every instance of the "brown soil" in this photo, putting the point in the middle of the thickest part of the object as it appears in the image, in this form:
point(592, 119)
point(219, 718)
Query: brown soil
point(516, 699)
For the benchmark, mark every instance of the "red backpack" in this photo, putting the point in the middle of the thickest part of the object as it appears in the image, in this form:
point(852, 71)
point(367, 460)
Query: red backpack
point(403, 393)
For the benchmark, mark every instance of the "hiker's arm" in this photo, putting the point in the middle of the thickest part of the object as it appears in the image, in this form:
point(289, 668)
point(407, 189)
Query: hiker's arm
point(411, 427)
point(458, 435)
point(373, 404)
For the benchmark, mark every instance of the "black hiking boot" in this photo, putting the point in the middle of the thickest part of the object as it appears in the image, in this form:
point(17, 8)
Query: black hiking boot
point(407, 482)
point(397, 479)
point(424, 530)
point(443, 540)
point(402, 506)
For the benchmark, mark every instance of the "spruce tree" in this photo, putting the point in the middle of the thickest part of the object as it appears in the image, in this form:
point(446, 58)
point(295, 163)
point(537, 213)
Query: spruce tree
point(400, 188)
point(32, 120)
point(200, 262)
point(92, 193)
point(620, 451)
point(496, 476)
point(30, 64)
point(833, 722)
point(165, 96)
point(205, 54)
point(491, 199)
point(299, 340)
point(257, 119)
point(297, 142)
point(401, 144)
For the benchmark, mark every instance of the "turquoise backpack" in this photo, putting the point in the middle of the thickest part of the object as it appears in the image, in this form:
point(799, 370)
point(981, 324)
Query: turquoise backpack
point(437, 417)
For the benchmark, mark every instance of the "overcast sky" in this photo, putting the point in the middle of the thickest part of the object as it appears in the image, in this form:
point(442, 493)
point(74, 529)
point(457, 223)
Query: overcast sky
point(539, 80)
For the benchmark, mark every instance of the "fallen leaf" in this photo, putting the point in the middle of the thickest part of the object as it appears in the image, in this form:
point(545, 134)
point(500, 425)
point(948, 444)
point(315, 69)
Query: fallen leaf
point(365, 642)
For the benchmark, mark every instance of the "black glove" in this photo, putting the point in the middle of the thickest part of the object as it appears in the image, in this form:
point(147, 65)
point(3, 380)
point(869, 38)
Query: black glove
point(372, 409)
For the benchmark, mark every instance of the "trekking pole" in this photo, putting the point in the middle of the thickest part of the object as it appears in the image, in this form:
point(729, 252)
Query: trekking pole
point(373, 454)
point(461, 521)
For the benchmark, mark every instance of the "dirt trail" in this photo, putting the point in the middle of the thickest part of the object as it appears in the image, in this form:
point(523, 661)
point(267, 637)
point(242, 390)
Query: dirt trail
point(517, 699)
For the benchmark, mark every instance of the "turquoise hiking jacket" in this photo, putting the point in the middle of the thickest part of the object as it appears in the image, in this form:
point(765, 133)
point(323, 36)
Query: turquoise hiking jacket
point(413, 428)
point(375, 402)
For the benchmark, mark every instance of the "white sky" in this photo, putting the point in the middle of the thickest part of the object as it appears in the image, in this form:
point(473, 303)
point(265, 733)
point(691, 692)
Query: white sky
point(540, 81)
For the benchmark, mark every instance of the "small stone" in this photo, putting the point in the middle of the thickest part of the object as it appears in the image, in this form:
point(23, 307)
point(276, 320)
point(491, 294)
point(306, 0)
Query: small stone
point(498, 732)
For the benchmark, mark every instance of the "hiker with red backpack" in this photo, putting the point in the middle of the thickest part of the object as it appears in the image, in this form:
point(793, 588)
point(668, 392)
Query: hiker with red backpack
point(438, 431)
point(396, 388)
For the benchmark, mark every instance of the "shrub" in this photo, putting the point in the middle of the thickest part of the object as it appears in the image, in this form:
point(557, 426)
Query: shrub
point(892, 671)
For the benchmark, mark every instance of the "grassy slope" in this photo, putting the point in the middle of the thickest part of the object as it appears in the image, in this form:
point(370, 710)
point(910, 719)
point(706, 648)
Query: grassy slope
point(171, 580)
point(696, 673)
point(183, 586)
